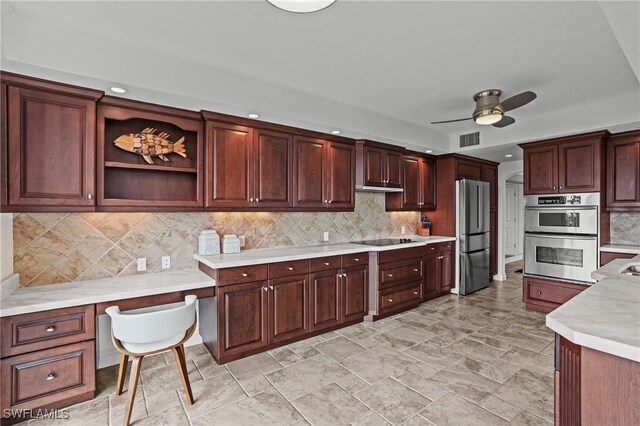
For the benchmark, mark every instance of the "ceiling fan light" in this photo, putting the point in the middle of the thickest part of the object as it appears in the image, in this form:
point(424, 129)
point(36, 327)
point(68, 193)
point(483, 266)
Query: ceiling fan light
point(487, 117)
point(301, 6)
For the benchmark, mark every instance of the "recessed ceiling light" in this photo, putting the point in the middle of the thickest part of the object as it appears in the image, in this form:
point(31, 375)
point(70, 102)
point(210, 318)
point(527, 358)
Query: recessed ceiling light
point(429, 151)
point(116, 89)
point(335, 132)
point(253, 115)
point(301, 6)
point(508, 155)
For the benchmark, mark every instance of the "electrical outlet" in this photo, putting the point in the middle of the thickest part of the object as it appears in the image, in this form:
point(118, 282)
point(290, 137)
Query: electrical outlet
point(142, 264)
point(166, 262)
point(403, 230)
point(325, 236)
point(242, 240)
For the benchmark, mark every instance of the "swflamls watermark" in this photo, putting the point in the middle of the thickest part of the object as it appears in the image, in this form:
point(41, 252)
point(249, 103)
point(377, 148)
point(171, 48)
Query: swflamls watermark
point(41, 413)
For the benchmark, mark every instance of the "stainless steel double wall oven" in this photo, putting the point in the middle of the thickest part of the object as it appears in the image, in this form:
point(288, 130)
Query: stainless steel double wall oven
point(561, 236)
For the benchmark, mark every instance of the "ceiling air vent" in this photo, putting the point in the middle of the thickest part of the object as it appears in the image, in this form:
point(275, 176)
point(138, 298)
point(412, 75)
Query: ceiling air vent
point(470, 139)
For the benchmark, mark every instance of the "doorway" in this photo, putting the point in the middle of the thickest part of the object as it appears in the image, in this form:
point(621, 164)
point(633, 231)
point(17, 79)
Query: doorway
point(513, 229)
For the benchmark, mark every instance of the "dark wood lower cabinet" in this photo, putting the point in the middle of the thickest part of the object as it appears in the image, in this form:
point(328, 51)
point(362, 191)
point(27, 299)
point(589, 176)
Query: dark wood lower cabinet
point(439, 271)
point(594, 388)
point(243, 316)
point(354, 293)
point(324, 299)
point(544, 295)
point(606, 256)
point(288, 307)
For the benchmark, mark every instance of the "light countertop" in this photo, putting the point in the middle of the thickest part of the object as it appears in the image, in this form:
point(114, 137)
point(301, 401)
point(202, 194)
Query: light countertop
point(285, 254)
point(23, 300)
point(606, 316)
point(621, 248)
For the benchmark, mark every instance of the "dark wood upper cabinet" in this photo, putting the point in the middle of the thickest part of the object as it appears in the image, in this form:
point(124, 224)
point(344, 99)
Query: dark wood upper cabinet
point(324, 174)
point(418, 183)
point(428, 183)
point(273, 169)
point(378, 165)
point(565, 165)
point(468, 170)
point(623, 171)
point(50, 145)
point(340, 184)
point(309, 170)
point(579, 166)
point(541, 170)
point(411, 181)
point(230, 180)
point(3, 145)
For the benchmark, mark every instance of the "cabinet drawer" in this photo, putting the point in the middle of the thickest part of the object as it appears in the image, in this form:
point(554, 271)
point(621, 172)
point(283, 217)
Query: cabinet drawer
point(286, 269)
point(44, 377)
point(399, 272)
point(440, 247)
point(40, 330)
point(325, 263)
point(400, 296)
point(242, 274)
point(355, 259)
point(400, 254)
point(549, 292)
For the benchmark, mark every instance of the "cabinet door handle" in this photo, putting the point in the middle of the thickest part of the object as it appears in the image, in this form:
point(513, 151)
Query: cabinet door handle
point(539, 292)
point(325, 201)
point(554, 187)
point(257, 200)
point(271, 287)
point(251, 199)
point(560, 186)
point(50, 329)
point(390, 300)
point(390, 275)
point(245, 275)
point(266, 289)
point(344, 275)
point(90, 196)
point(51, 376)
point(290, 268)
point(326, 264)
point(415, 292)
point(355, 259)
point(415, 269)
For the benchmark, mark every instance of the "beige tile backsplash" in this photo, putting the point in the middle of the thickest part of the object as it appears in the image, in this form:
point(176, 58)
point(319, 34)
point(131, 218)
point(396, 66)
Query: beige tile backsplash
point(61, 247)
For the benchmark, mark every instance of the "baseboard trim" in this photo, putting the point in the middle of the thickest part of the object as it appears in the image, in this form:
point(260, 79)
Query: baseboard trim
point(512, 259)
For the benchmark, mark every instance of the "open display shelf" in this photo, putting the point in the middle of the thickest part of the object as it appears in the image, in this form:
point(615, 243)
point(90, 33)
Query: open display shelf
point(125, 179)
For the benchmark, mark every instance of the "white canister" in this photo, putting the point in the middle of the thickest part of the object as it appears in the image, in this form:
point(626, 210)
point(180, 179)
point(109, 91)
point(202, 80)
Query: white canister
point(230, 243)
point(208, 242)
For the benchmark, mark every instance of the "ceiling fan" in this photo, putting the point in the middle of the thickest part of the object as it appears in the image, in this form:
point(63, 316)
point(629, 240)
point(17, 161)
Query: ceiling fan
point(489, 109)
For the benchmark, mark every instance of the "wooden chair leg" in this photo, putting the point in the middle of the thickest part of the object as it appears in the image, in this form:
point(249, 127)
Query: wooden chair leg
point(122, 372)
point(133, 386)
point(181, 362)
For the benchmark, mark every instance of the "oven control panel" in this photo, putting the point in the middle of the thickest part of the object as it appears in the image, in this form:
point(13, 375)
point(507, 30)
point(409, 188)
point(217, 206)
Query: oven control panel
point(584, 199)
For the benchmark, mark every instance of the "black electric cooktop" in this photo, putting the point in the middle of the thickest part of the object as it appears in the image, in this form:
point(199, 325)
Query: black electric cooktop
point(384, 241)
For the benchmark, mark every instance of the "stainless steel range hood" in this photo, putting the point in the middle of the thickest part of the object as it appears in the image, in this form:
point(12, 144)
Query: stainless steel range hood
point(363, 188)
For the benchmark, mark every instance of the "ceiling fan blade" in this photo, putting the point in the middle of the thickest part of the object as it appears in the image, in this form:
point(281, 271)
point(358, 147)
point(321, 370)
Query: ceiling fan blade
point(451, 121)
point(517, 101)
point(506, 121)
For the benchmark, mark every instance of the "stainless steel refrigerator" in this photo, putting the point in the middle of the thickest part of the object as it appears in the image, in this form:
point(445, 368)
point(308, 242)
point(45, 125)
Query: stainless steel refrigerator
point(472, 230)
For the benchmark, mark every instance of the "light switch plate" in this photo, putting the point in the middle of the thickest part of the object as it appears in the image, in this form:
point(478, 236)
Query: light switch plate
point(166, 262)
point(325, 236)
point(403, 230)
point(242, 240)
point(142, 264)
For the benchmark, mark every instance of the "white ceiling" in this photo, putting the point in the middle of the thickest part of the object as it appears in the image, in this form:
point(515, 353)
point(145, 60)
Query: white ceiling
point(378, 69)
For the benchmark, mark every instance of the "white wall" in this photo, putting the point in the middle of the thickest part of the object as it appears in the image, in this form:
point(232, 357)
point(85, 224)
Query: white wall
point(505, 170)
point(6, 245)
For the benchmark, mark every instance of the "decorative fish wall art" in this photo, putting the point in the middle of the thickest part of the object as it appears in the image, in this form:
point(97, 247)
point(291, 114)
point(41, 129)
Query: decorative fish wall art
point(149, 144)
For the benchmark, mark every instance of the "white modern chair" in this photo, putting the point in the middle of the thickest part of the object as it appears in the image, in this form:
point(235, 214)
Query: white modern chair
point(139, 334)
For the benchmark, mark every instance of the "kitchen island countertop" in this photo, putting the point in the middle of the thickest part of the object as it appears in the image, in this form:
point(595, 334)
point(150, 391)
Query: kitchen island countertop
point(606, 316)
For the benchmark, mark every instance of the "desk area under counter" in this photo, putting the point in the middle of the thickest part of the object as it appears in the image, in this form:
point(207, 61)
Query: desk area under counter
point(267, 298)
point(50, 340)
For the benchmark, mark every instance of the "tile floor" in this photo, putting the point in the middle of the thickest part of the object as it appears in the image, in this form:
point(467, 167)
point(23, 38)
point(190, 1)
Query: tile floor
point(475, 360)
